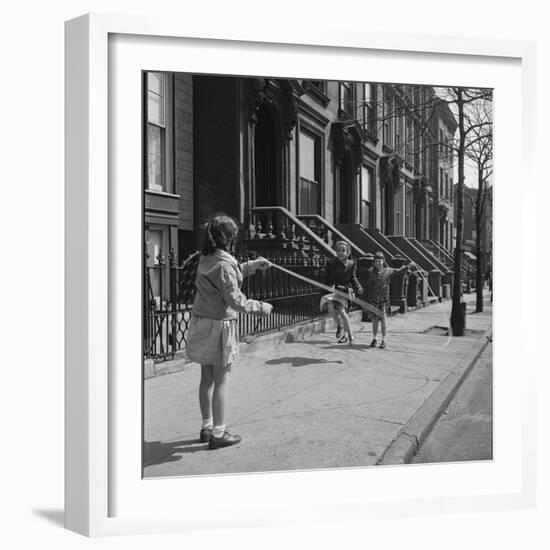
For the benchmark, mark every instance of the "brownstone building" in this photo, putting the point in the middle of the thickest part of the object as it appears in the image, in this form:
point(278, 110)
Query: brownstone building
point(299, 164)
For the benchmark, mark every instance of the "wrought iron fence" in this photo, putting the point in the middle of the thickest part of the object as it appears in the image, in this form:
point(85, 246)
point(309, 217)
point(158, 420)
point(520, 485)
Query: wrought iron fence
point(169, 295)
point(293, 300)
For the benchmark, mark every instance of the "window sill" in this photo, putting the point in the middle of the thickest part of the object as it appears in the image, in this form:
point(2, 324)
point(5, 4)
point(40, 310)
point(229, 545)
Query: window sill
point(161, 193)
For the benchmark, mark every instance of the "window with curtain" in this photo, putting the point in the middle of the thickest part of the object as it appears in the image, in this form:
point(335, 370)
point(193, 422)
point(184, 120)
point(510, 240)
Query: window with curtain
point(310, 168)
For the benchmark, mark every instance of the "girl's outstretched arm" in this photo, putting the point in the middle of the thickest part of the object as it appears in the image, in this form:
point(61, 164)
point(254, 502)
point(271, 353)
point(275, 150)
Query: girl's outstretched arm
point(233, 296)
point(400, 270)
point(250, 267)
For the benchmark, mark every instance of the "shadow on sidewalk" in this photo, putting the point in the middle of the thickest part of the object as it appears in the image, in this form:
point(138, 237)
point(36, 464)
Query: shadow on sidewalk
point(300, 361)
point(333, 345)
point(157, 452)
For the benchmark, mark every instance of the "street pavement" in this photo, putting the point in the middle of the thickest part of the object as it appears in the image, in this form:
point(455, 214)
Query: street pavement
point(312, 403)
point(465, 429)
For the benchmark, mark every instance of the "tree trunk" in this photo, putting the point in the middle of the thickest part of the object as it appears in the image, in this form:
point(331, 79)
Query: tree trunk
point(479, 215)
point(458, 320)
point(479, 274)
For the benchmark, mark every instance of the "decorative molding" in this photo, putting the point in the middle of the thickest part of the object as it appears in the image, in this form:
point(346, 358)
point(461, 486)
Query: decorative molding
point(258, 93)
point(347, 138)
point(421, 190)
point(283, 94)
point(390, 172)
point(315, 93)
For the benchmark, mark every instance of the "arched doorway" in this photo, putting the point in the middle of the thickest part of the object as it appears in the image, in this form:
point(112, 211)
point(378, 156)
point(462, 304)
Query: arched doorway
point(267, 160)
point(346, 190)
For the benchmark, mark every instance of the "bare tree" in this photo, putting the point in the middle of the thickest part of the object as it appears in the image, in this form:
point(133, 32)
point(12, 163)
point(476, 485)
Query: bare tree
point(480, 154)
point(420, 103)
point(470, 133)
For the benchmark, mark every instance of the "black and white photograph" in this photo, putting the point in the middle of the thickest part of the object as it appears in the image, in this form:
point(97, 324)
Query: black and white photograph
point(317, 274)
point(250, 289)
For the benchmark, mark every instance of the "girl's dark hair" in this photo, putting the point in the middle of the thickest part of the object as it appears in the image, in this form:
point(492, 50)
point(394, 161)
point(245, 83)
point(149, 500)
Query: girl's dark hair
point(220, 232)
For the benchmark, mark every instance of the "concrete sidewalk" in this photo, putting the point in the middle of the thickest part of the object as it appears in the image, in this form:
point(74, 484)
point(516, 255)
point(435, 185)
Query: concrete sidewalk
point(313, 403)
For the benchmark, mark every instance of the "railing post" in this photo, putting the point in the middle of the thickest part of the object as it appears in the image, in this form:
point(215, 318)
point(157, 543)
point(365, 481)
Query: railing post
point(173, 297)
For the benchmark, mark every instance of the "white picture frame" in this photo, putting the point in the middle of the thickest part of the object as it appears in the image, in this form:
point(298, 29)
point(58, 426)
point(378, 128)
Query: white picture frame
point(104, 493)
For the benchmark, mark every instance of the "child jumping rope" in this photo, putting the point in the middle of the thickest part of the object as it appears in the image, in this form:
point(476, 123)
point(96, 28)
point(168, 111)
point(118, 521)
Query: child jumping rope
point(342, 274)
point(213, 339)
point(379, 296)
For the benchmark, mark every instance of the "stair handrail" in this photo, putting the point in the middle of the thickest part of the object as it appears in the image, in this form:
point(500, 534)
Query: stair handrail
point(299, 224)
point(358, 252)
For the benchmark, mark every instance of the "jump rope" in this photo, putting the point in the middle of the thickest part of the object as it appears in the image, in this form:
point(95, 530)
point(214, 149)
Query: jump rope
point(350, 297)
point(365, 305)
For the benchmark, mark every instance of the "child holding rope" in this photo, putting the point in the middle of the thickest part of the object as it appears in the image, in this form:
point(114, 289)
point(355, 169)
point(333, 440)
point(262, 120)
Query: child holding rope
point(342, 275)
point(213, 339)
point(379, 296)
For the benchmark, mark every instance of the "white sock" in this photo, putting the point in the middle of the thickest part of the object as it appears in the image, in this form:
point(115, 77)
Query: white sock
point(218, 431)
point(207, 423)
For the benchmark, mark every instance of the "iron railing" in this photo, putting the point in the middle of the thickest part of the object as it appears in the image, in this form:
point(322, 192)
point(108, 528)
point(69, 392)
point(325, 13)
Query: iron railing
point(168, 299)
point(170, 292)
point(293, 300)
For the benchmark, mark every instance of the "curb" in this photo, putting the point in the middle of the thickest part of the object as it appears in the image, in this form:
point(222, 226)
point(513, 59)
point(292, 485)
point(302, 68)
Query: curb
point(297, 332)
point(407, 442)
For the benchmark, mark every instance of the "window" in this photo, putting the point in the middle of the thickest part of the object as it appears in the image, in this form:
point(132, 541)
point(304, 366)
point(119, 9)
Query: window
point(156, 131)
point(446, 185)
point(421, 152)
point(388, 114)
point(399, 135)
point(366, 197)
point(156, 248)
point(369, 106)
point(408, 213)
point(319, 84)
point(452, 191)
point(441, 182)
point(410, 141)
point(309, 186)
point(416, 145)
point(347, 98)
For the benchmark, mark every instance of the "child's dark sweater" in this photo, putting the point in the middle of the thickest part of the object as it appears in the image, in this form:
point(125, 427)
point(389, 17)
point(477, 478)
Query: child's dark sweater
point(343, 274)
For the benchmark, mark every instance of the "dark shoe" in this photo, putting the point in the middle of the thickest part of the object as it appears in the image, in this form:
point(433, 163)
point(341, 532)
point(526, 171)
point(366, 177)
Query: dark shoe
point(224, 441)
point(343, 339)
point(205, 435)
point(373, 343)
point(382, 344)
point(338, 332)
